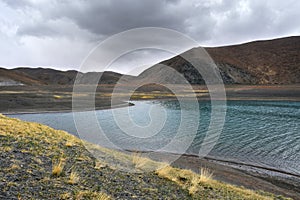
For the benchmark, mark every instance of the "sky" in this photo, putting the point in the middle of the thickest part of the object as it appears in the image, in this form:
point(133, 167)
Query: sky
point(61, 33)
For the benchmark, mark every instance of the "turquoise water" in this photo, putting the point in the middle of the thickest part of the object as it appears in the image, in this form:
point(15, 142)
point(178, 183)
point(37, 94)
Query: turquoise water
point(263, 133)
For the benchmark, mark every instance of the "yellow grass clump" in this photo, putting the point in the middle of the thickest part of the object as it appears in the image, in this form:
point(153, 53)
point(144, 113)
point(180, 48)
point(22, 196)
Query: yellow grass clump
point(99, 165)
point(69, 144)
point(197, 184)
point(139, 161)
point(14, 167)
point(144, 163)
point(74, 178)
point(58, 167)
point(205, 175)
point(81, 195)
point(57, 97)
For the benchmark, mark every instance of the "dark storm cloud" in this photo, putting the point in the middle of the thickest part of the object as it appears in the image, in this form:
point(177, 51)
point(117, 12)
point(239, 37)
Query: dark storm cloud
point(203, 20)
point(57, 26)
point(106, 17)
point(114, 16)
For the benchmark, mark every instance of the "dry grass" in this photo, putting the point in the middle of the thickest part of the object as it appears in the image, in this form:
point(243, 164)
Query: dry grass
point(14, 167)
point(193, 189)
point(99, 165)
point(57, 167)
point(197, 185)
point(144, 163)
point(69, 144)
point(205, 175)
point(179, 176)
point(139, 161)
point(74, 178)
point(81, 195)
point(65, 196)
point(5, 149)
point(57, 97)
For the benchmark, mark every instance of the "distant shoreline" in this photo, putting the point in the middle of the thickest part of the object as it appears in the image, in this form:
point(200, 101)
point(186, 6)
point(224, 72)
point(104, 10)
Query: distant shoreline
point(47, 99)
point(37, 111)
point(40, 110)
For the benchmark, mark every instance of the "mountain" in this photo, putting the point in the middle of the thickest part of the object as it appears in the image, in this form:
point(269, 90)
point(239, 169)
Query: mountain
point(261, 62)
point(10, 77)
point(44, 76)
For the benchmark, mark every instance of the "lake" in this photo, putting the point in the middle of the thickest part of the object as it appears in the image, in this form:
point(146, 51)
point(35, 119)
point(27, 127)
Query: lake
point(262, 133)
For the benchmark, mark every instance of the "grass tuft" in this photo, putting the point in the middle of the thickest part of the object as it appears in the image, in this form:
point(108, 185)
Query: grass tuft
point(81, 195)
point(69, 144)
point(205, 175)
point(58, 167)
point(15, 167)
point(74, 178)
point(139, 161)
point(99, 165)
point(66, 196)
point(57, 97)
point(202, 186)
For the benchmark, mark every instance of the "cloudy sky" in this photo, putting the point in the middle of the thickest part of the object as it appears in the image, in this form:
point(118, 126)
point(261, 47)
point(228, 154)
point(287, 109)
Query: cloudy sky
point(60, 33)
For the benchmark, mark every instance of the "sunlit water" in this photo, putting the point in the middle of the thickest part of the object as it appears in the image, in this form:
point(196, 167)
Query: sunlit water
point(264, 133)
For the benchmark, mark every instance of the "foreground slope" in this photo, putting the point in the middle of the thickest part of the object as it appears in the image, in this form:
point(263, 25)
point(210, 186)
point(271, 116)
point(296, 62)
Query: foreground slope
point(42, 163)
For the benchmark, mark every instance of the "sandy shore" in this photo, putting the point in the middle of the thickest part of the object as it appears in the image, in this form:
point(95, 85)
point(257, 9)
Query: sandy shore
point(252, 178)
point(240, 174)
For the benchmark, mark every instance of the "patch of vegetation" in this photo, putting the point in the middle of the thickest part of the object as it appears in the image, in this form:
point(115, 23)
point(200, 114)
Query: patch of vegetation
point(38, 162)
point(202, 186)
point(57, 168)
point(151, 95)
point(74, 178)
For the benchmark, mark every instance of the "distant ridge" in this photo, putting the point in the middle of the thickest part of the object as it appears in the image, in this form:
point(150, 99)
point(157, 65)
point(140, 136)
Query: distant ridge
point(274, 61)
point(47, 76)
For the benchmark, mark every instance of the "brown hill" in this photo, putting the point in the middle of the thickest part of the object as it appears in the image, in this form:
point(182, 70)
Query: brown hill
point(270, 62)
point(45, 76)
point(7, 75)
point(260, 62)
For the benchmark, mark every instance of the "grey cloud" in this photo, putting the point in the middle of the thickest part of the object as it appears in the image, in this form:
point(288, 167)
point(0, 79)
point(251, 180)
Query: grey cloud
point(241, 21)
point(109, 17)
point(104, 18)
point(38, 30)
point(204, 20)
point(210, 22)
point(200, 19)
point(17, 4)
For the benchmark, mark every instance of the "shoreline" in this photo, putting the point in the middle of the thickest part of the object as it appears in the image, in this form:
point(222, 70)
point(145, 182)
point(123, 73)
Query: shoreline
point(121, 105)
point(251, 179)
point(38, 99)
point(37, 111)
point(232, 163)
point(250, 176)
